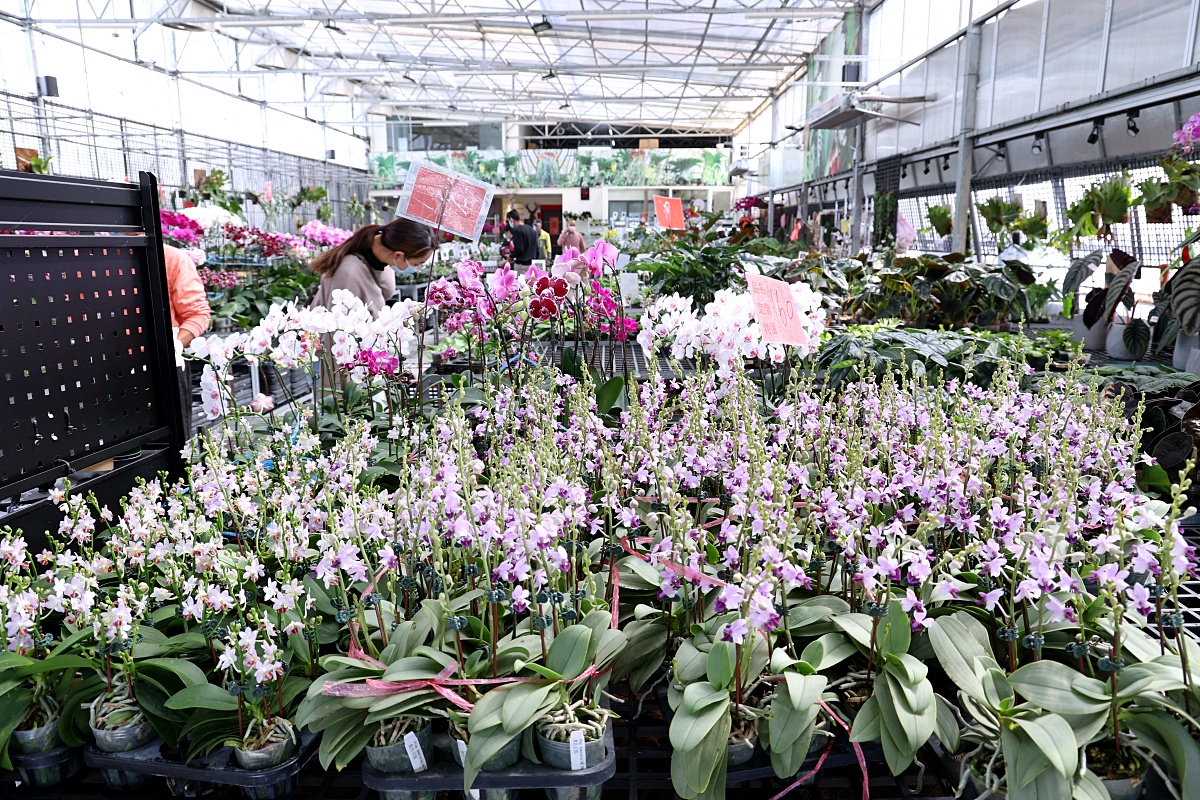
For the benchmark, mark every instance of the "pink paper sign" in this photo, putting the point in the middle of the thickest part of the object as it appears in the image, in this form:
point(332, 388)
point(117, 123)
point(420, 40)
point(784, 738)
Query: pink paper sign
point(775, 311)
point(445, 199)
point(669, 211)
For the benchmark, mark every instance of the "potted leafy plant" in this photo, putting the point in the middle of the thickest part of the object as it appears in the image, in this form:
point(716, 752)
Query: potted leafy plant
point(1111, 200)
point(1158, 198)
point(1183, 176)
point(941, 220)
point(999, 215)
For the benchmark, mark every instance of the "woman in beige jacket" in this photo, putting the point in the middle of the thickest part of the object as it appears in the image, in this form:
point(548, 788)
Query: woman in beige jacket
point(362, 265)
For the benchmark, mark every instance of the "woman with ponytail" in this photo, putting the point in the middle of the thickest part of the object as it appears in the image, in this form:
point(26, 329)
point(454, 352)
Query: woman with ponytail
point(363, 264)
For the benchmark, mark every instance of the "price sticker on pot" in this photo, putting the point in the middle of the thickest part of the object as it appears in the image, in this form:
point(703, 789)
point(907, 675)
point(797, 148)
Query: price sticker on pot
point(578, 751)
point(462, 756)
point(415, 754)
point(775, 311)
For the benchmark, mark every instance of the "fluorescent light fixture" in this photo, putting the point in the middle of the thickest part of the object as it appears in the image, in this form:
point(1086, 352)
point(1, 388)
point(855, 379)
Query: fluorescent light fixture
point(543, 26)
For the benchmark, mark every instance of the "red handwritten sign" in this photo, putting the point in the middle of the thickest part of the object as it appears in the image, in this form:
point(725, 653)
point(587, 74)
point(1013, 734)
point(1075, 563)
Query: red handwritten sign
point(669, 211)
point(775, 311)
point(446, 200)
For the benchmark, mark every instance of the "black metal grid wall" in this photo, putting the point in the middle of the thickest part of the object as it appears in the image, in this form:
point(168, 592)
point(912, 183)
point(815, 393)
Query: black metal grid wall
point(1058, 188)
point(88, 144)
point(86, 358)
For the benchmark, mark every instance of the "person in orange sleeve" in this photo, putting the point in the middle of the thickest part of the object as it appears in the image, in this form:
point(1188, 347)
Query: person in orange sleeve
point(190, 315)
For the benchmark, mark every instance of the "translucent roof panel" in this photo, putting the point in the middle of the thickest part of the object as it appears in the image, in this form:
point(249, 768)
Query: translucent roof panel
point(650, 62)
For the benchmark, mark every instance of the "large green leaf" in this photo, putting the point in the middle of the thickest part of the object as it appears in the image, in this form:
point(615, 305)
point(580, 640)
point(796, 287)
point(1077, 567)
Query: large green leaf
point(203, 695)
point(1054, 738)
point(1080, 271)
point(946, 725)
point(1171, 741)
point(1118, 287)
point(688, 728)
point(525, 703)
point(722, 662)
point(895, 630)
point(1050, 686)
point(957, 650)
point(1136, 338)
point(568, 654)
point(608, 393)
point(827, 651)
point(1185, 297)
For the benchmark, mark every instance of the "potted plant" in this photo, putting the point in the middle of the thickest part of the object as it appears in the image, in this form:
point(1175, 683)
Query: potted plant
point(1111, 200)
point(1158, 198)
point(941, 220)
point(999, 215)
point(1183, 176)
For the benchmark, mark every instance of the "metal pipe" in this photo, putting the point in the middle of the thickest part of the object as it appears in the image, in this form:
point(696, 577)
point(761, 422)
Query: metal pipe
point(966, 147)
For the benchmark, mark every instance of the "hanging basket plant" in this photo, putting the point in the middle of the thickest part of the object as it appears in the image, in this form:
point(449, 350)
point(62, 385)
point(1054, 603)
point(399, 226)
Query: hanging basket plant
point(941, 220)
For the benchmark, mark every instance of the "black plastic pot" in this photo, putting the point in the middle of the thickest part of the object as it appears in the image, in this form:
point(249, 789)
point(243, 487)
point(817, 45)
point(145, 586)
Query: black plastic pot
point(445, 775)
point(48, 768)
point(272, 783)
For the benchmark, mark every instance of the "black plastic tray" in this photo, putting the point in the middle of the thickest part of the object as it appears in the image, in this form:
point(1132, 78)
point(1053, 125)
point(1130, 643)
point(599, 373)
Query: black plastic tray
point(149, 760)
point(445, 775)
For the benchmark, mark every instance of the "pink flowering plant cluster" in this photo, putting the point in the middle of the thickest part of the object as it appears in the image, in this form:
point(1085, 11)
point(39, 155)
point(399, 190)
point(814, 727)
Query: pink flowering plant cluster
point(219, 278)
point(180, 230)
point(325, 235)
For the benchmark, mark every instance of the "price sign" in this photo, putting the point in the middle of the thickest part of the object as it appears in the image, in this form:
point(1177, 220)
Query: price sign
point(775, 311)
point(669, 211)
point(447, 200)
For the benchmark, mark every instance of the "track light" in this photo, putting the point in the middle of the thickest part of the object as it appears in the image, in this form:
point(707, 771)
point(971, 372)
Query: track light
point(543, 26)
point(564, 107)
point(1038, 142)
point(1131, 126)
point(452, 107)
point(1002, 151)
point(329, 26)
point(927, 166)
point(409, 78)
point(549, 76)
point(1097, 129)
point(904, 171)
point(945, 162)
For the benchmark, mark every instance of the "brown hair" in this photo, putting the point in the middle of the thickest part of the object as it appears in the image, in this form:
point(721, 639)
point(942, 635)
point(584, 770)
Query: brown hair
point(411, 238)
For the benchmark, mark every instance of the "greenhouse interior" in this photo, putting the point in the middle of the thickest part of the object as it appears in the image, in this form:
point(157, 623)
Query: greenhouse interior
point(593, 399)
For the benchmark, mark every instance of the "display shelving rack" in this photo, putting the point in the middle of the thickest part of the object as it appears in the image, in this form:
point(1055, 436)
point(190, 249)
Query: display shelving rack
point(88, 370)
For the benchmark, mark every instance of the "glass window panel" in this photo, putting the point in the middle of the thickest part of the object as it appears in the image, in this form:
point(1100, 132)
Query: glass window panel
point(1072, 51)
point(1020, 37)
point(1148, 38)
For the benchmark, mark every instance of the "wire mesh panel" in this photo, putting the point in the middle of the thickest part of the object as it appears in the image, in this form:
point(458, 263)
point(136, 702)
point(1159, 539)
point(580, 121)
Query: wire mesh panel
point(88, 144)
point(914, 205)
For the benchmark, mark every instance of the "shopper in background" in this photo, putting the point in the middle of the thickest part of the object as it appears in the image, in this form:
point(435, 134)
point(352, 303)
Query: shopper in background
point(544, 246)
point(506, 245)
point(571, 237)
point(524, 240)
point(363, 264)
point(190, 315)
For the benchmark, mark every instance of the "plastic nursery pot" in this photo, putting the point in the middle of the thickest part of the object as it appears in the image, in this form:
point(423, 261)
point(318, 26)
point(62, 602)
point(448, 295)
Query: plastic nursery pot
point(509, 755)
point(123, 740)
point(37, 740)
point(558, 756)
point(394, 759)
point(1115, 343)
point(1185, 343)
point(1096, 337)
point(265, 758)
point(48, 768)
point(738, 753)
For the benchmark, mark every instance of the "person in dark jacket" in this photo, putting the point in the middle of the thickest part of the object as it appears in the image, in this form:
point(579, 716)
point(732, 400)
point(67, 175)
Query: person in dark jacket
point(524, 240)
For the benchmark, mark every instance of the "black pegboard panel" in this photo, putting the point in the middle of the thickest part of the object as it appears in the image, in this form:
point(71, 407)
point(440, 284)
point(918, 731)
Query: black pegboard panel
point(87, 365)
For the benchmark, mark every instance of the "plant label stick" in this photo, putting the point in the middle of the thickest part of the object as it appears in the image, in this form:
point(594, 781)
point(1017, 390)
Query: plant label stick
point(415, 754)
point(462, 756)
point(578, 755)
